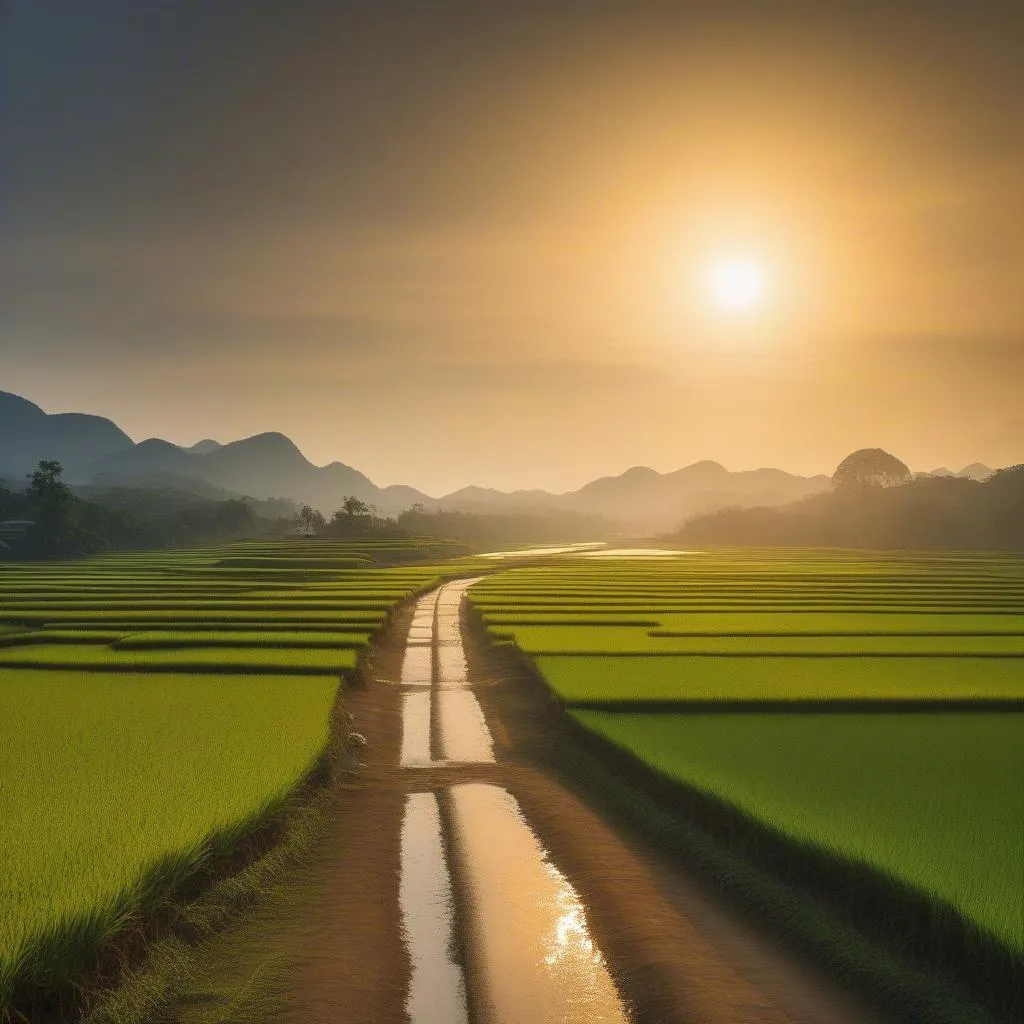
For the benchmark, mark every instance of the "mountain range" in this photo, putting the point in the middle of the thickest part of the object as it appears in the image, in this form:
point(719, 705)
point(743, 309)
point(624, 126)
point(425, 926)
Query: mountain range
point(95, 451)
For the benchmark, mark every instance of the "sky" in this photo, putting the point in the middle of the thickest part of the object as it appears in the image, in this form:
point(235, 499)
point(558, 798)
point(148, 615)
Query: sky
point(456, 243)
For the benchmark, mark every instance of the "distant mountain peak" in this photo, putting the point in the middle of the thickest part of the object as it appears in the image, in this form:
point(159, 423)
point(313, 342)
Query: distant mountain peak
point(28, 434)
point(205, 446)
point(11, 405)
point(270, 446)
point(474, 493)
point(269, 439)
point(156, 444)
point(638, 473)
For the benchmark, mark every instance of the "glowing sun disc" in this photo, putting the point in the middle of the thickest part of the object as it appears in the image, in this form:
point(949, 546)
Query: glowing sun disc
point(736, 285)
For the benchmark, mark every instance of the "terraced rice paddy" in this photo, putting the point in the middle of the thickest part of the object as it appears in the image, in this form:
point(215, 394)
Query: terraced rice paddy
point(767, 678)
point(154, 708)
point(857, 716)
point(914, 795)
point(820, 697)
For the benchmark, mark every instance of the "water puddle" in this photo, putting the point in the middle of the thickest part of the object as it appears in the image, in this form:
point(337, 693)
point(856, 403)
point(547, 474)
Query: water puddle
point(564, 549)
point(451, 666)
point(423, 612)
point(463, 732)
point(635, 553)
point(437, 989)
point(449, 630)
point(451, 593)
point(418, 665)
point(415, 729)
point(530, 942)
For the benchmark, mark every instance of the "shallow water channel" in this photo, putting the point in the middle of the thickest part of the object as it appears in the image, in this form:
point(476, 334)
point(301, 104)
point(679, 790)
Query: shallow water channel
point(472, 866)
point(437, 987)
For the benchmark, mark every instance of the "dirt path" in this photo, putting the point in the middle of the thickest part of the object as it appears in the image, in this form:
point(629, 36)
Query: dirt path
point(672, 954)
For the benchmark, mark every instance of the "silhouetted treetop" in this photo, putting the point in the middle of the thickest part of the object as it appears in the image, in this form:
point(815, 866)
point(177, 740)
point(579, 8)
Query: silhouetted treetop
point(868, 468)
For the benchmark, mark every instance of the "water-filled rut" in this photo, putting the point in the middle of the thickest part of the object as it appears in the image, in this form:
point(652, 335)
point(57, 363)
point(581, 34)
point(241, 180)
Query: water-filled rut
point(437, 988)
point(529, 954)
point(530, 944)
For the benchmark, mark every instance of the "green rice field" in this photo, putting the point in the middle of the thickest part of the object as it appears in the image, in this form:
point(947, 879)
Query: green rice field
point(547, 639)
point(199, 657)
point(766, 627)
point(156, 708)
point(861, 711)
point(591, 678)
point(109, 778)
point(913, 795)
point(866, 708)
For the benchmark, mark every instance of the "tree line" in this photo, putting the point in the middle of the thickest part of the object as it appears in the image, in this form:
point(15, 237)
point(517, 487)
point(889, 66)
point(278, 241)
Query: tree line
point(62, 524)
point(877, 503)
point(357, 519)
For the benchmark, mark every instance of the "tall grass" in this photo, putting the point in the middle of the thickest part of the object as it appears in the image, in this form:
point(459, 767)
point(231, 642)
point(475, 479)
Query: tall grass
point(117, 789)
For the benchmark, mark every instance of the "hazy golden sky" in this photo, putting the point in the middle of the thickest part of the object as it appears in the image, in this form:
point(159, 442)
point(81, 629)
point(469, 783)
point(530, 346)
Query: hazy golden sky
point(454, 243)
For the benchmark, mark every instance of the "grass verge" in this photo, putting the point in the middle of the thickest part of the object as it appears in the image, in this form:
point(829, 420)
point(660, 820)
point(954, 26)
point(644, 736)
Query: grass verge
point(172, 964)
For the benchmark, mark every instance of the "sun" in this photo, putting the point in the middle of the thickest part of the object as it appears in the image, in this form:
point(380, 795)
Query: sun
point(737, 284)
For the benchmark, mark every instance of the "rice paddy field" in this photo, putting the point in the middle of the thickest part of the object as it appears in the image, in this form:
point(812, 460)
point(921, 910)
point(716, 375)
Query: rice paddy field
point(861, 716)
point(865, 711)
point(156, 709)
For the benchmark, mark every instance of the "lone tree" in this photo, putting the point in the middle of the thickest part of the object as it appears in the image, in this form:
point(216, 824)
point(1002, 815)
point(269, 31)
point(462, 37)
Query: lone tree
point(54, 526)
point(869, 469)
point(354, 508)
point(311, 522)
point(353, 517)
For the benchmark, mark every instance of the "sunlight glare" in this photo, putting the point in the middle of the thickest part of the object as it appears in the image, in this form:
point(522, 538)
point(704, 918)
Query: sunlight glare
point(737, 284)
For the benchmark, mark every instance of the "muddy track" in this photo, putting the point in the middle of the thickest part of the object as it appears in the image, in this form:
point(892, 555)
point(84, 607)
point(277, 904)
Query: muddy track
point(673, 953)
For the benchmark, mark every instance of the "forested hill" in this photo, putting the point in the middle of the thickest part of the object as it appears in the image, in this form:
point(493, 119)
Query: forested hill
point(935, 512)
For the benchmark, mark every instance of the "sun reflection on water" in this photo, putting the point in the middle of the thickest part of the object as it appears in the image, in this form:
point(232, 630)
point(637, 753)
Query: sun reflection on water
point(569, 938)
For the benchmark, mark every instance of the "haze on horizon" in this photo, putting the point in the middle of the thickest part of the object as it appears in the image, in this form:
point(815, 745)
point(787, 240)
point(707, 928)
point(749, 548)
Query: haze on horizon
point(452, 243)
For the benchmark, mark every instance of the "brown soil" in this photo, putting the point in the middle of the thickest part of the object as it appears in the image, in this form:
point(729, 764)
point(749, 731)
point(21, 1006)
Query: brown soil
point(352, 954)
point(675, 953)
